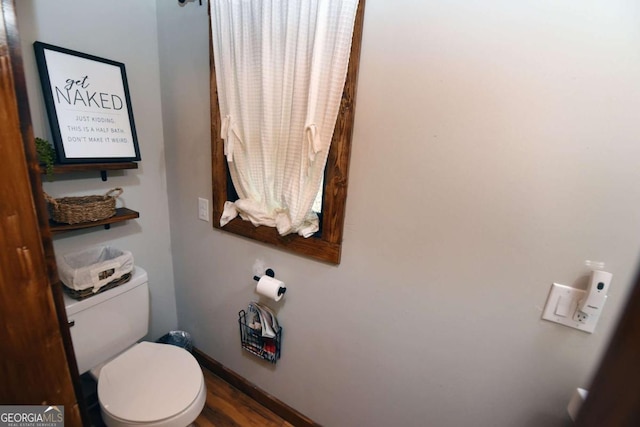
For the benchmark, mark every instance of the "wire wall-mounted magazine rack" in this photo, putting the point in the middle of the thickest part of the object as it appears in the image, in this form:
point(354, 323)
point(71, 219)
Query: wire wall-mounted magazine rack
point(260, 336)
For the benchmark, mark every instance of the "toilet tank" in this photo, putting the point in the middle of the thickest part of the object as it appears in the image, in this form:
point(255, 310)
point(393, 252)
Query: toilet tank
point(107, 323)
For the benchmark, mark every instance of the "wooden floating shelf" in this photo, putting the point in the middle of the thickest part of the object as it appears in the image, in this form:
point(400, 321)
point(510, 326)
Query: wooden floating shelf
point(122, 214)
point(83, 167)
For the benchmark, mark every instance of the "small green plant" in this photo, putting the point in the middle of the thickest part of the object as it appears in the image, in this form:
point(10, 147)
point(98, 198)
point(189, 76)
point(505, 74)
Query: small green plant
point(46, 155)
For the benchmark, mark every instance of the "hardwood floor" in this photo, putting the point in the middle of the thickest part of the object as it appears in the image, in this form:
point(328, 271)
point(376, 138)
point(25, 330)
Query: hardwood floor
point(228, 407)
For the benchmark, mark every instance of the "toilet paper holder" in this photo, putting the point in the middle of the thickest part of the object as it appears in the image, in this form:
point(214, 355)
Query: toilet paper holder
point(269, 272)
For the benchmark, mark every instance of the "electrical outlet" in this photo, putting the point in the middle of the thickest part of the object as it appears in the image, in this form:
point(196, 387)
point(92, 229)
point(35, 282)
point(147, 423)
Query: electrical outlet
point(562, 307)
point(580, 317)
point(203, 209)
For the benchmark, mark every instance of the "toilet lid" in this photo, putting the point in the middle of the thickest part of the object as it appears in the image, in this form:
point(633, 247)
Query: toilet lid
point(149, 382)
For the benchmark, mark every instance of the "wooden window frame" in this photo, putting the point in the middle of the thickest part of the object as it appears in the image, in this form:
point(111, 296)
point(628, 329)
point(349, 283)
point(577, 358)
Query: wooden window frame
point(328, 246)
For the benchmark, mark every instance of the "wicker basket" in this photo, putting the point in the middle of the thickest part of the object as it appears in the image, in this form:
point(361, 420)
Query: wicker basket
point(76, 210)
point(86, 293)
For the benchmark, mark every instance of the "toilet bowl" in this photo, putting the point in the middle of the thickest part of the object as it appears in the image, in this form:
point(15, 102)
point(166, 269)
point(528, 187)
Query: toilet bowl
point(139, 384)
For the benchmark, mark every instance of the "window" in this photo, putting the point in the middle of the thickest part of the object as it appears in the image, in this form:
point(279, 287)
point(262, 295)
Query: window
point(327, 246)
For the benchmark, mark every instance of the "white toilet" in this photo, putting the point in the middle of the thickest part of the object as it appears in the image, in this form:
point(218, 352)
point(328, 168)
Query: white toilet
point(139, 384)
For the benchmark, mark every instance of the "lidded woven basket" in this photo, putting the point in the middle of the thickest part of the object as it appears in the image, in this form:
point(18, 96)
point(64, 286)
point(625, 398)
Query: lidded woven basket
point(76, 210)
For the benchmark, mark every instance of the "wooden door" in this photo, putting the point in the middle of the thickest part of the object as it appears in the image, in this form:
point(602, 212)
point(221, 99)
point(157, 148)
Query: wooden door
point(614, 395)
point(34, 368)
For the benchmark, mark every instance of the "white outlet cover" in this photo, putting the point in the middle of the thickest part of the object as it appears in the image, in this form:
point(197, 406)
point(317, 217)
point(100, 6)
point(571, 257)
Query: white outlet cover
point(564, 299)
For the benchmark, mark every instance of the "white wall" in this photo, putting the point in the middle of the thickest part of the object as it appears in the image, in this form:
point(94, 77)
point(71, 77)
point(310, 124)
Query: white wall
point(495, 150)
point(123, 31)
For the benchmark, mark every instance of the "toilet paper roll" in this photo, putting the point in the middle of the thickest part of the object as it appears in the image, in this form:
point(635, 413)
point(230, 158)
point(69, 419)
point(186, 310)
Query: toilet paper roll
point(270, 287)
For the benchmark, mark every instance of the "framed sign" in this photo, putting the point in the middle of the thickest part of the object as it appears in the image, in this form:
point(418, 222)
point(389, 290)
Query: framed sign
point(88, 105)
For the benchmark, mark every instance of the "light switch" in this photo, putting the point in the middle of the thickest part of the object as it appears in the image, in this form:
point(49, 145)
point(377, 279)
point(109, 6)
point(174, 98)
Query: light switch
point(203, 209)
point(564, 306)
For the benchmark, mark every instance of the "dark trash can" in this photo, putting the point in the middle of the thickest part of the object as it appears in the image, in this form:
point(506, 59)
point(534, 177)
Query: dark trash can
point(177, 338)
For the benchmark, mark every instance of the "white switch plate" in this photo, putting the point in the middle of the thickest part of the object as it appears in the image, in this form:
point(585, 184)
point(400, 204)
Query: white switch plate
point(203, 209)
point(562, 305)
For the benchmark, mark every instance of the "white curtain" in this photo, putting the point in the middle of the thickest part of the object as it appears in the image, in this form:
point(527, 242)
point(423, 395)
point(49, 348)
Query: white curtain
point(280, 70)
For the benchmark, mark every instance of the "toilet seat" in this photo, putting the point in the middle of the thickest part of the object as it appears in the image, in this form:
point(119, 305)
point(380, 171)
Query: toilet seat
point(151, 384)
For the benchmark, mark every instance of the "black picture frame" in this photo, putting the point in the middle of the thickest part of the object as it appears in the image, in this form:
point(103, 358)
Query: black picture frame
point(88, 105)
